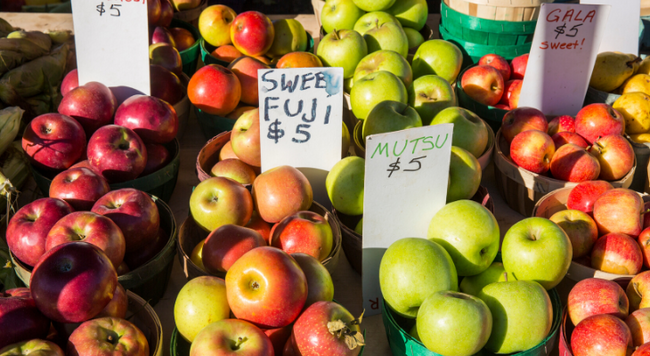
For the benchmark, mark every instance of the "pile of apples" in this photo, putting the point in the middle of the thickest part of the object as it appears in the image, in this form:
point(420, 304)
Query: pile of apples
point(633, 104)
point(495, 82)
point(500, 307)
point(588, 147)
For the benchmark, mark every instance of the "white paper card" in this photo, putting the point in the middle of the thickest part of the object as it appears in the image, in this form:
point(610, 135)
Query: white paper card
point(622, 25)
point(405, 186)
point(562, 57)
point(112, 43)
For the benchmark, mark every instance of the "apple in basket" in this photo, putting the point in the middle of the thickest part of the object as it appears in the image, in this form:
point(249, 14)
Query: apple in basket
point(252, 33)
point(306, 232)
point(562, 138)
point(166, 55)
point(152, 119)
point(319, 282)
point(32, 347)
point(70, 81)
point(157, 158)
point(54, 142)
point(234, 169)
point(574, 164)
point(580, 228)
point(601, 334)
point(117, 153)
point(224, 336)
point(80, 187)
point(118, 306)
point(619, 210)
point(615, 155)
point(599, 120)
point(617, 253)
point(162, 35)
point(214, 23)
point(593, 296)
point(638, 291)
point(563, 123)
point(245, 68)
point(518, 66)
point(245, 138)
point(499, 63)
point(165, 85)
point(214, 89)
point(92, 105)
point(166, 14)
point(107, 335)
point(218, 201)
point(280, 192)
point(533, 150)
point(19, 317)
point(519, 120)
point(183, 38)
point(583, 196)
point(226, 245)
point(484, 84)
point(200, 302)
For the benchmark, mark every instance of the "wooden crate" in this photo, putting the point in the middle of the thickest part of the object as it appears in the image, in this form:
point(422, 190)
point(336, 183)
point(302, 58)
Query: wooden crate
point(500, 10)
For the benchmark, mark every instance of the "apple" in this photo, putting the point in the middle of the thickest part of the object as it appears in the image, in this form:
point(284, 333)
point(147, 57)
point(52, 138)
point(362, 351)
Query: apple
point(319, 282)
point(19, 318)
point(229, 337)
point(470, 132)
point(563, 123)
point(617, 253)
point(514, 304)
point(387, 60)
point(70, 81)
point(262, 227)
point(200, 302)
point(134, 212)
point(410, 13)
point(484, 84)
point(339, 15)
point(245, 68)
point(117, 307)
point(583, 196)
point(218, 201)
point(513, 93)
point(390, 116)
point(373, 89)
point(214, 24)
point(299, 60)
point(140, 257)
point(182, 5)
point(53, 142)
point(290, 36)
point(472, 285)
point(227, 53)
point(58, 291)
point(372, 20)
point(574, 164)
point(27, 230)
point(266, 287)
point(167, 56)
point(509, 87)
point(234, 169)
point(580, 228)
point(388, 36)
point(598, 120)
point(305, 232)
point(80, 187)
point(226, 245)
point(239, 111)
point(154, 120)
point(165, 85)
point(345, 185)
point(166, 13)
point(157, 158)
point(153, 11)
point(312, 336)
point(280, 192)
point(499, 63)
point(615, 155)
point(91, 104)
point(464, 175)
point(32, 347)
point(601, 335)
point(533, 150)
point(107, 336)
point(643, 350)
point(245, 138)
point(619, 210)
point(522, 119)
point(593, 296)
point(117, 153)
point(518, 66)
point(563, 138)
point(162, 35)
point(214, 89)
point(342, 48)
point(472, 242)
point(374, 5)
point(183, 38)
point(637, 291)
point(453, 323)
point(415, 38)
point(252, 33)
point(197, 255)
point(644, 243)
point(437, 57)
point(226, 152)
point(279, 337)
point(639, 324)
point(429, 95)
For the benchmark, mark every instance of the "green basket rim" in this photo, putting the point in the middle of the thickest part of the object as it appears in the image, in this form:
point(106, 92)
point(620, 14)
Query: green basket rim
point(479, 50)
point(450, 16)
point(192, 51)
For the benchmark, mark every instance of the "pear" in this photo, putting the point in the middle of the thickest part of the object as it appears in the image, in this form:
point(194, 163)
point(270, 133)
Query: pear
point(641, 138)
point(637, 83)
point(644, 68)
point(635, 108)
point(612, 69)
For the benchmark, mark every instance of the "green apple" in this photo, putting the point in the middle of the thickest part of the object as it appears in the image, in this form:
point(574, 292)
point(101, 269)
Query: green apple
point(359, 228)
point(390, 116)
point(33, 347)
point(522, 315)
point(344, 185)
point(290, 36)
point(537, 249)
point(374, 88)
point(387, 36)
point(374, 5)
point(453, 323)
point(372, 20)
point(411, 270)
point(414, 37)
point(347, 85)
point(414, 332)
point(342, 48)
point(464, 175)
point(470, 132)
point(469, 232)
point(438, 57)
point(387, 60)
point(410, 13)
point(200, 302)
point(429, 95)
point(495, 273)
point(339, 15)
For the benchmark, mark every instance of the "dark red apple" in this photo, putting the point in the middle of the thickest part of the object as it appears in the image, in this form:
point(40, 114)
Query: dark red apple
point(80, 187)
point(145, 254)
point(226, 245)
point(19, 318)
point(162, 35)
point(167, 56)
point(92, 105)
point(70, 81)
point(53, 142)
point(117, 153)
point(183, 38)
point(157, 158)
point(305, 232)
point(165, 85)
point(154, 120)
point(83, 164)
point(583, 196)
point(153, 11)
point(166, 13)
point(279, 337)
point(117, 307)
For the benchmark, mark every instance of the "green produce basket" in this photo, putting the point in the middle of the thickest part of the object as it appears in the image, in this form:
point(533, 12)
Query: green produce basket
point(190, 56)
point(212, 125)
point(493, 116)
point(160, 183)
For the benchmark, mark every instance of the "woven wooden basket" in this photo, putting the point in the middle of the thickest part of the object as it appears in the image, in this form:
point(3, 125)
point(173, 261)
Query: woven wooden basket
point(500, 10)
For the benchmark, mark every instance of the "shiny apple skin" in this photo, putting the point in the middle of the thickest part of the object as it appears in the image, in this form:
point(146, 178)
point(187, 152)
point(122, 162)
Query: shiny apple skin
point(280, 192)
point(157, 158)
point(311, 335)
point(598, 120)
point(523, 119)
point(19, 317)
point(484, 84)
point(617, 253)
point(584, 195)
point(593, 296)
point(619, 210)
point(70, 81)
point(563, 123)
point(601, 335)
point(154, 120)
point(80, 187)
point(107, 337)
point(218, 338)
point(148, 252)
point(252, 33)
point(533, 150)
point(574, 164)
point(117, 153)
point(165, 85)
point(215, 90)
point(92, 105)
point(225, 245)
point(306, 232)
point(54, 142)
point(562, 138)
point(117, 307)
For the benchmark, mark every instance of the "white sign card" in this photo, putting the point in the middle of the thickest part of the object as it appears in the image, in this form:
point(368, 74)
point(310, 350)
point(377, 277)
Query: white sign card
point(622, 32)
point(112, 43)
point(301, 121)
point(562, 57)
point(406, 184)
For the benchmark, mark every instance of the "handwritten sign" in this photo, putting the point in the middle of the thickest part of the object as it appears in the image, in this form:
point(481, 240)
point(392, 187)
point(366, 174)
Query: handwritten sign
point(112, 42)
point(406, 184)
point(622, 32)
point(562, 57)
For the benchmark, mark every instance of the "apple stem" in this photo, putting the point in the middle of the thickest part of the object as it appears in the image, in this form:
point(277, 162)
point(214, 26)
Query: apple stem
point(505, 276)
point(645, 211)
point(336, 34)
point(634, 61)
point(240, 340)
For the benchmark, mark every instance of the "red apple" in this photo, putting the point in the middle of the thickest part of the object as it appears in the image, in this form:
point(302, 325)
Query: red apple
point(278, 337)
point(245, 138)
point(643, 350)
point(107, 336)
point(117, 153)
point(644, 243)
point(574, 164)
point(218, 201)
point(154, 120)
point(54, 141)
point(162, 35)
point(70, 81)
point(533, 150)
point(32, 347)
point(82, 164)
point(225, 245)
point(617, 253)
point(638, 291)
point(518, 66)
point(599, 120)
point(601, 335)
point(483, 84)
point(73, 282)
point(256, 223)
point(514, 91)
point(502, 106)
point(583, 196)
point(619, 210)
point(230, 337)
point(214, 89)
point(80, 187)
point(266, 287)
point(615, 155)
point(280, 192)
point(252, 33)
point(182, 37)
point(519, 120)
point(306, 232)
point(507, 91)
point(166, 13)
point(91, 104)
point(148, 252)
point(234, 169)
point(226, 152)
point(153, 11)
point(28, 228)
point(593, 296)
point(245, 68)
point(564, 123)
point(580, 228)
point(123, 268)
point(562, 138)
point(646, 217)
point(639, 324)
point(227, 53)
point(166, 55)
point(117, 307)
point(319, 282)
point(19, 318)
point(165, 85)
point(134, 212)
point(157, 158)
point(499, 63)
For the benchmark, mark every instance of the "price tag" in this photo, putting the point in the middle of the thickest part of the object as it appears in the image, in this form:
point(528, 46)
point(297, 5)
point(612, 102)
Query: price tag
point(406, 184)
point(622, 32)
point(562, 57)
point(112, 43)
